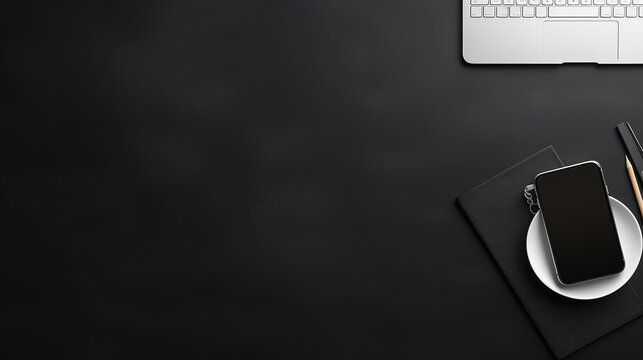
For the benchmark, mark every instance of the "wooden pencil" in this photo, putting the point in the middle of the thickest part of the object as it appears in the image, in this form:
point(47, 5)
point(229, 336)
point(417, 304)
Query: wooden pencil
point(635, 184)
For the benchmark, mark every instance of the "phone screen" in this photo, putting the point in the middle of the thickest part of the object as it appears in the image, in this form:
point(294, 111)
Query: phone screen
point(579, 223)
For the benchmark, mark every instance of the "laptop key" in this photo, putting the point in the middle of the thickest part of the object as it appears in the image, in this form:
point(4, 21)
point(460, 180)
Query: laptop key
point(619, 11)
point(574, 12)
point(606, 11)
point(528, 12)
point(631, 11)
point(514, 12)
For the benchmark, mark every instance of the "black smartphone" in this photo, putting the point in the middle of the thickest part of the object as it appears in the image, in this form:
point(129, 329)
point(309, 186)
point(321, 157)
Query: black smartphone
point(579, 223)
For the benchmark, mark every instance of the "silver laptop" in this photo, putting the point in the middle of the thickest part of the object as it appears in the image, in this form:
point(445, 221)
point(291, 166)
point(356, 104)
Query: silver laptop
point(552, 31)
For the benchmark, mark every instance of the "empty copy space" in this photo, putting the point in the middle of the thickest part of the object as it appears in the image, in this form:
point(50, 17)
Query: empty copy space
point(580, 41)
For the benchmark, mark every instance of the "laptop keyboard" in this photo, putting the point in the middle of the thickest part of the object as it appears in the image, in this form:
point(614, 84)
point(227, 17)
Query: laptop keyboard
point(556, 9)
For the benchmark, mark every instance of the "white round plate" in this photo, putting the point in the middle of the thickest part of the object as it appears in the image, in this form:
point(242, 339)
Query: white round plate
point(543, 265)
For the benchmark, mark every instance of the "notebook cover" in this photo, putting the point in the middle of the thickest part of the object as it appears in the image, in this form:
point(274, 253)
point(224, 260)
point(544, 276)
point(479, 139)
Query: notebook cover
point(500, 215)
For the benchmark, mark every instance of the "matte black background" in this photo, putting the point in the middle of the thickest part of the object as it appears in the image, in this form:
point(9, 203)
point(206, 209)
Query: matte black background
point(274, 179)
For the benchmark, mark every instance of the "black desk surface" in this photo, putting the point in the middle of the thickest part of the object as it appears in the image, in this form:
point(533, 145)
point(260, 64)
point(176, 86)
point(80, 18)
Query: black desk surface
point(274, 179)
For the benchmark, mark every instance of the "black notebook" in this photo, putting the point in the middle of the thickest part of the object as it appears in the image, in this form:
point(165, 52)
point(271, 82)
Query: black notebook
point(500, 215)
